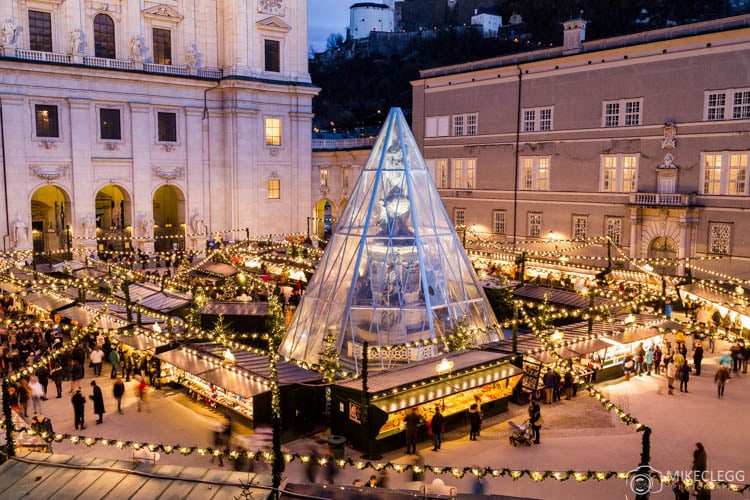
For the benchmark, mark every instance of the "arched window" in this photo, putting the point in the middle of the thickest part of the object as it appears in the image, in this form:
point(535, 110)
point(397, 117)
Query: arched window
point(104, 36)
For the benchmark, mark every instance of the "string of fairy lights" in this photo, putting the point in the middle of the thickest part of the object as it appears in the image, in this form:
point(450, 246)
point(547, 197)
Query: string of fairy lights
point(617, 299)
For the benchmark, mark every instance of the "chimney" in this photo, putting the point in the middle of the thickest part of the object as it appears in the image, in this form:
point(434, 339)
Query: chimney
point(574, 33)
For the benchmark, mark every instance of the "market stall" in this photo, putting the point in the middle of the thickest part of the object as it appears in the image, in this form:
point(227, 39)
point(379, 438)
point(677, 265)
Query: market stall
point(247, 316)
point(240, 381)
point(453, 383)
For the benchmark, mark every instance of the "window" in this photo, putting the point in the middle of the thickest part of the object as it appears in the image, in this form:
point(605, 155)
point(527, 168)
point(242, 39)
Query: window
point(535, 173)
point(345, 179)
point(40, 31)
point(719, 238)
point(436, 126)
point(459, 217)
point(109, 124)
point(104, 36)
point(273, 189)
point(167, 125)
point(619, 173)
point(580, 227)
point(537, 119)
point(162, 46)
point(442, 173)
point(534, 224)
point(465, 124)
point(464, 173)
point(614, 229)
point(498, 221)
point(625, 112)
point(273, 55)
point(273, 131)
point(725, 174)
point(46, 121)
point(727, 104)
point(324, 178)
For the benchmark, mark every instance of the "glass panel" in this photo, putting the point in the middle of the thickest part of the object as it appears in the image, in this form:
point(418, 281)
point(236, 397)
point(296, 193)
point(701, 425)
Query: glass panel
point(40, 31)
point(104, 36)
point(162, 46)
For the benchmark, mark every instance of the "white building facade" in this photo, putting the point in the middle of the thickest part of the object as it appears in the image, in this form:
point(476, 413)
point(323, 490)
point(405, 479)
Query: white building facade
point(137, 124)
point(365, 17)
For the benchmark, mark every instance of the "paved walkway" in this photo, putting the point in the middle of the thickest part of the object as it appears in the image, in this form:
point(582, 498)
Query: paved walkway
point(578, 435)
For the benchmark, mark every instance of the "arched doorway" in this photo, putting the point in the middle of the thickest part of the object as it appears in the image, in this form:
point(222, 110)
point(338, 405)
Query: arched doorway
point(663, 247)
point(323, 220)
point(51, 221)
point(113, 219)
point(169, 219)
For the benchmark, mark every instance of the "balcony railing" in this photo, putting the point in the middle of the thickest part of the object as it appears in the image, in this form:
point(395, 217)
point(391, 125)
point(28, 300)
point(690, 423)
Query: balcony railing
point(357, 142)
point(119, 64)
point(662, 199)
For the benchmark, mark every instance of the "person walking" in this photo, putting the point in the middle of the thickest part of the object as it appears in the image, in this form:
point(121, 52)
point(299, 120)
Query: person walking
point(568, 383)
point(437, 428)
point(24, 394)
point(671, 372)
point(700, 462)
point(684, 376)
point(649, 359)
point(412, 424)
point(549, 385)
point(657, 359)
point(76, 374)
point(638, 359)
point(98, 400)
point(475, 421)
point(721, 377)
point(114, 359)
point(697, 357)
point(118, 390)
point(56, 374)
point(79, 403)
point(535, 419)
point(97, 357)
point(37, 393)
point(42, 374)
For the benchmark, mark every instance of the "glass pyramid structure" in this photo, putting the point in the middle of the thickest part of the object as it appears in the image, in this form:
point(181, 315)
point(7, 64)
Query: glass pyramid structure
point(394, 273)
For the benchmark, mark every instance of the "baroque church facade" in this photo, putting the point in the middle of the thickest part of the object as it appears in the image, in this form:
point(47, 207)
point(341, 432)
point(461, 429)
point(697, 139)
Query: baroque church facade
point(152, 125)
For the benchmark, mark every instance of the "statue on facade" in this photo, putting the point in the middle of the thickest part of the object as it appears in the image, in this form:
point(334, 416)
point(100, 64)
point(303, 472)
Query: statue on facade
point(89, 227)
point(147, 226)
point(136, 48)
point(191, 56)
point(197, 225)
point(19, 233)
point(670, 133)
point(76, 41)
point(9, 33)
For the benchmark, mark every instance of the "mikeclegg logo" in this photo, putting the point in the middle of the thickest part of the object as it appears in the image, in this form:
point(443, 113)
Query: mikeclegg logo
point(645, 479)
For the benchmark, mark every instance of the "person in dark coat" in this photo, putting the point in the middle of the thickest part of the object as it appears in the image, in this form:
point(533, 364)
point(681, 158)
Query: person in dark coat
point(535, 415)
point(76, 374)
point(42, 373)
point(412, 424)
point(698, 357)
point(437, 428)
point(118, 390)
point(78, 405)
point(56, 374)
point(684, 370)
point(98, 400)
point(475, 421)
point(700, 461)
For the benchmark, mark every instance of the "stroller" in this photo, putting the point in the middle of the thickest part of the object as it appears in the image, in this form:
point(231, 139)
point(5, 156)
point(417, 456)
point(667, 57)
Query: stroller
point(523, 435)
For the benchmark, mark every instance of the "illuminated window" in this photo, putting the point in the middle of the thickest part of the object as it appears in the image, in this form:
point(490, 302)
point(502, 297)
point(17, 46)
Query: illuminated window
point(324, 178)
point(619, 173)
point(162, 46)
point(442, 172)
point(719, 238)
point(464, 173)
point(535, 173)
point(498, 221)
point(46, 121)
point(273, 131)
point(724, 174)
point(273, 189)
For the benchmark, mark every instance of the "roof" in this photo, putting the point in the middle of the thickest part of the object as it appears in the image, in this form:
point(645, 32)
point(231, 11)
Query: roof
point(651, 36)
point(119, 312)
point(462, 360)
point(218, 268)
point(141, 342)
point(86, 317)
point(557, 296)
point(165, 302)
point(10, 288)
point(46, 476)
point(369, 4)
point(48, 302)
point(138, 291)
point(235, 308)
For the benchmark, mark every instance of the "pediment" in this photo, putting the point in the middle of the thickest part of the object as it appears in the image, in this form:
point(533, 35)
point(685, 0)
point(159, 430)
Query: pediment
point(273, 23)
point(163, 12)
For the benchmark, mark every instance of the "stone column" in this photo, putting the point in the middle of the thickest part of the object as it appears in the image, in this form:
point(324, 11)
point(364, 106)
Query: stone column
point(636, 220)
point(143, 206)
point(82, 175)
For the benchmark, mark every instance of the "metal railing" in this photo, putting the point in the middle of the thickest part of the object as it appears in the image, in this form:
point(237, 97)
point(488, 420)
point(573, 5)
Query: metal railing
point(357, 142)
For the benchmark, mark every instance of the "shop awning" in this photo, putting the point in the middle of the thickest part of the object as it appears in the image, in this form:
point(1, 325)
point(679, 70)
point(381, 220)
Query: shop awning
point(588, 346)
point(187, 361)
point(218, 269)
point(86, 317)
point(165, 302)
point(88, 272)
point(48, 302)
point(138, 291)
point(119, 312)
point(443, 388)
point(236, 382)
point(10, 288)
point(634, 335)
point(556, 296)
point(235, 308)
